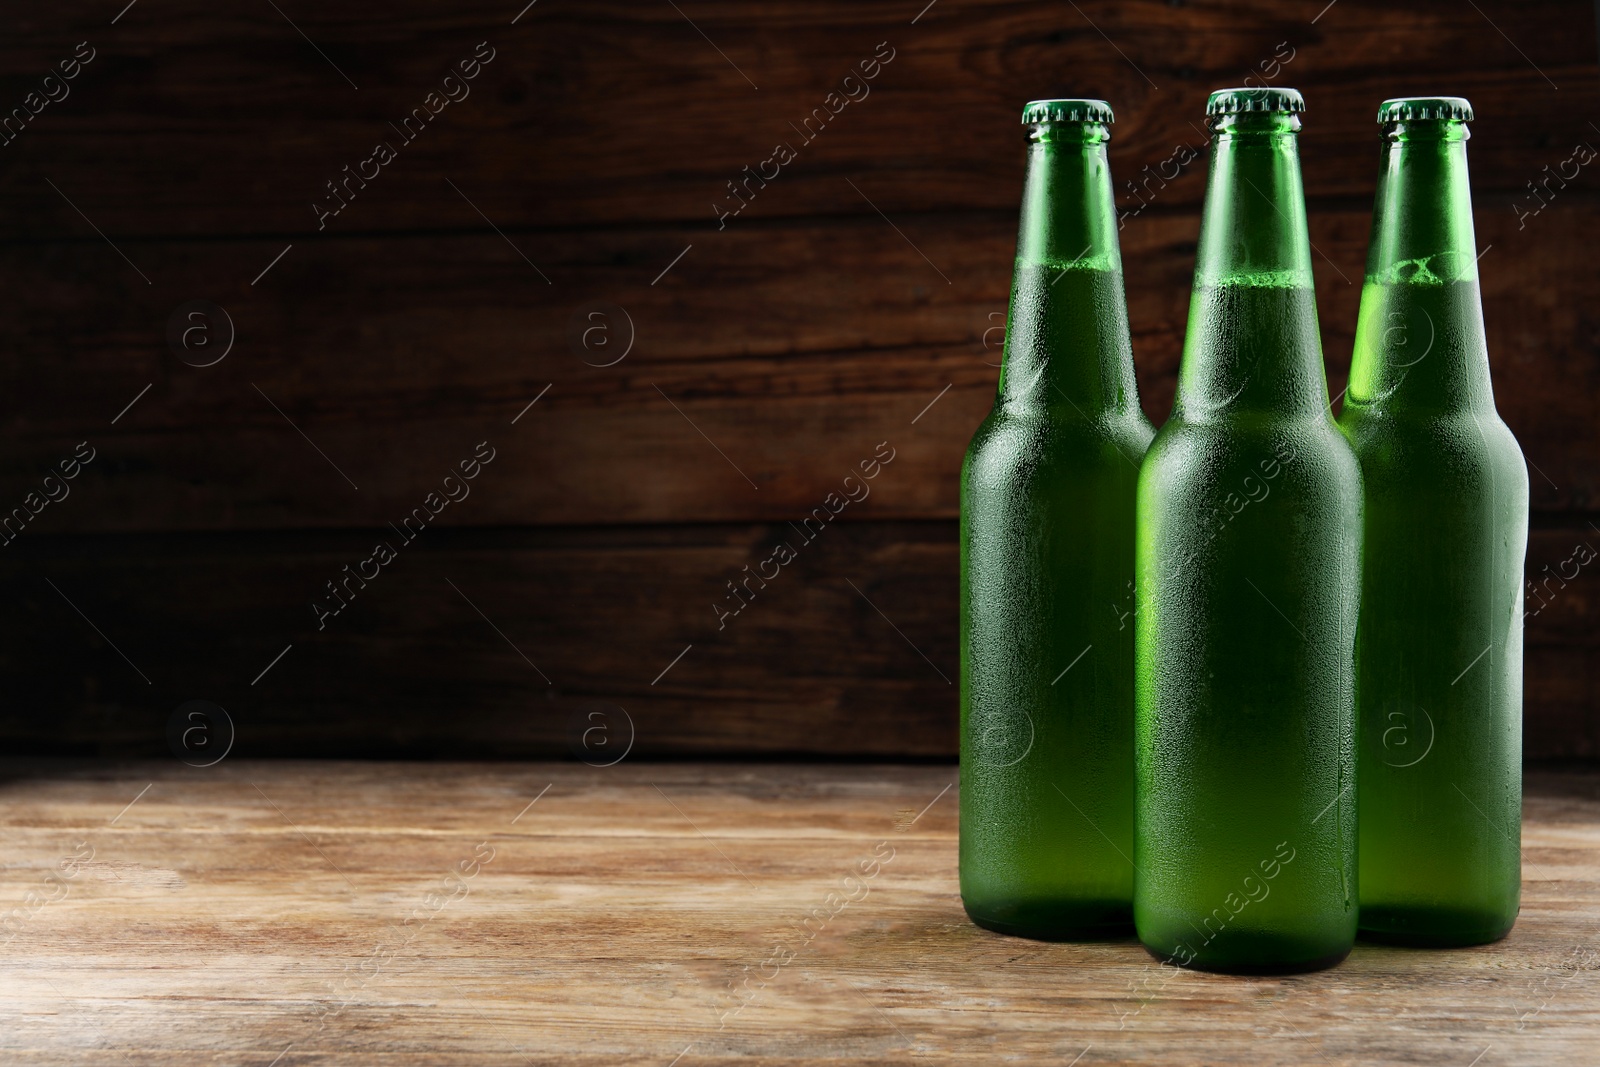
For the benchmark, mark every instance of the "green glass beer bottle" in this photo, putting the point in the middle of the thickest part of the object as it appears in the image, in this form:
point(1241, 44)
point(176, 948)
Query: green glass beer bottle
point(1248, 572)
point(1439, 681)
point(1047, 495)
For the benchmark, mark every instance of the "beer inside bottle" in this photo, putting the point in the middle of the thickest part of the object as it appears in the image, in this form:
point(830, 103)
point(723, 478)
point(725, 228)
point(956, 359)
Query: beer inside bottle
point(1440, 673)
point(1248, 558)
point(1047, 497)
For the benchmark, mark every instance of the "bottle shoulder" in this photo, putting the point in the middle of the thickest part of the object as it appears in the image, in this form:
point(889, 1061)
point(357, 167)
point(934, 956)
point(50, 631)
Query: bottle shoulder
point(1184, 441)
point(1436, 452)
point(1059, 426)
point(1306, 459)
point(1365, 424)
point(1011, 443)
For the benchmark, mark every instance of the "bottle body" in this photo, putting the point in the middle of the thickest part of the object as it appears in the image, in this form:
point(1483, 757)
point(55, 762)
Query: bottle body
point(1047, 504)
point(1248, 564)
point(1440, 674)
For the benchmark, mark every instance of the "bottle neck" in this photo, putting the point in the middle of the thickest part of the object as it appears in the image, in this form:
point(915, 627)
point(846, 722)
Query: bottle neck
point(1419, 340)
point(1252, 344)
point(1253, 227)
point(1067, 344)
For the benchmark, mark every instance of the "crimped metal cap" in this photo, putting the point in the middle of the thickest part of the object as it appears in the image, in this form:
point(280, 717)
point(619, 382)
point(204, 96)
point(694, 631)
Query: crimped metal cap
point(1240, 101)
point(1412, 108)
point(1075, 110)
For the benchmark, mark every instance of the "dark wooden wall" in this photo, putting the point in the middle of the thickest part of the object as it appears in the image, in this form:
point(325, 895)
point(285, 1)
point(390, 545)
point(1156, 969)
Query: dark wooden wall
point(766, 362)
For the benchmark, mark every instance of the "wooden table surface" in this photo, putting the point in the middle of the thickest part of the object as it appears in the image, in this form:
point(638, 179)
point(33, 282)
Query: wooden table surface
point(384, 913)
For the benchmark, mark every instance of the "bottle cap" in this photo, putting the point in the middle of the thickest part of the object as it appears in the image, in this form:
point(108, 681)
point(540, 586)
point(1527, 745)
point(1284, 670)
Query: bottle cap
point(1038, 111)
point(1412, 108)
point(1238, 101)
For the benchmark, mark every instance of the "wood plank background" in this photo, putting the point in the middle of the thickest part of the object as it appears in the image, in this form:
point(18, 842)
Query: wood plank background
point(765, 357)
point(298, 913)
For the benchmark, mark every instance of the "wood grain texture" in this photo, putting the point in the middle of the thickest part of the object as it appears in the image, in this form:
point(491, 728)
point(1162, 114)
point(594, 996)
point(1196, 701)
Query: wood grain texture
point(855, 301)
point(307, 911)
point(574, 623)
point(497, 641)
point(793, 350)
point(213, 120)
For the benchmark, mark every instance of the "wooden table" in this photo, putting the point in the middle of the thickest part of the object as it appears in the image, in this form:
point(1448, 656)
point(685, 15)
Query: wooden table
point(362, 913)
